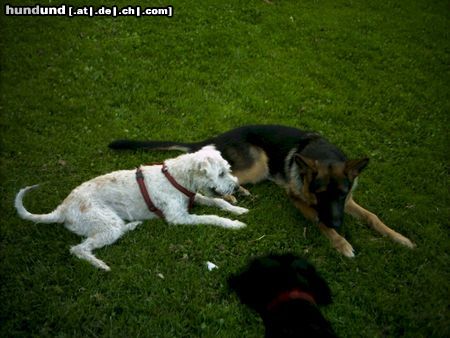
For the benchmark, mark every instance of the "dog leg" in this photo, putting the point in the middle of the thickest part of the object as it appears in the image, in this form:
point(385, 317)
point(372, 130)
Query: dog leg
point(354, 209)
point(220, 203)
point(337, 241)
point(204, 219)
point(84, 251)
point(106, 235)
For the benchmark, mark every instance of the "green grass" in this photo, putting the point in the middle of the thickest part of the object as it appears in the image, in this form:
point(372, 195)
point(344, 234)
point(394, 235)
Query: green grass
point(373, 78)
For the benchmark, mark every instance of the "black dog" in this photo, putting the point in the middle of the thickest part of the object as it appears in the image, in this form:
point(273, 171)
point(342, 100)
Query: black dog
point(316, 174)
point(285, 291)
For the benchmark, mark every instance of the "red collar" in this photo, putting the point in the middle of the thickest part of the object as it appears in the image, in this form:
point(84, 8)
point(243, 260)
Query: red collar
point(290, 295)
point(151, 206)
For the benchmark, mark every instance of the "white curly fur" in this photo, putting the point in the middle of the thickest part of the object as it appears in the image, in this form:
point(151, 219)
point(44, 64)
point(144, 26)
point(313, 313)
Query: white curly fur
point(106, 207)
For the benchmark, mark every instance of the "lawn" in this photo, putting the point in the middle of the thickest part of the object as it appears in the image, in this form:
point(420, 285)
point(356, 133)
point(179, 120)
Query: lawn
point(373, 77)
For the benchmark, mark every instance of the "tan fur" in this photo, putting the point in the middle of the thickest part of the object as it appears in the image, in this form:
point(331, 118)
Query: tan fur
point(304, 207)
point(308, 197)
point(258, 171)
point(104, 180)
point(83, 207)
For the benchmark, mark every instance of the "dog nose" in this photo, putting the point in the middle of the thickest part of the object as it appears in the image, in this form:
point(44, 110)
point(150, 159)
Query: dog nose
point(333, 223)
point(336, 223)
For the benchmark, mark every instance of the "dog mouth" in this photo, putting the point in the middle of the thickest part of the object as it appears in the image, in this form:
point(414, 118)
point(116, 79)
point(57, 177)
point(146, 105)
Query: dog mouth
point(214, 191)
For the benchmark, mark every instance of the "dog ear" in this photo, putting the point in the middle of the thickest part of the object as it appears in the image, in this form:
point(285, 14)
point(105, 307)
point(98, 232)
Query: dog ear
point(243, 285)
point(354, 167)
point(203, 165)
point(305, 164)
point(255, 285)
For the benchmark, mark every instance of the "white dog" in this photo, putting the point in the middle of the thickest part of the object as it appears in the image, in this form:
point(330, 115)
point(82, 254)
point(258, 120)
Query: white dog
point(106, 207)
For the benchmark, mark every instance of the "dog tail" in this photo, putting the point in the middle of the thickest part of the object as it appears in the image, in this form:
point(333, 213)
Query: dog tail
point(153, 145)
point(53, 217)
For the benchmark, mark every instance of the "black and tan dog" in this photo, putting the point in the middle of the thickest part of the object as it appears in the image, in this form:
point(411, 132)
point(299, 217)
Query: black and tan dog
point(317, 176)
point(286, 291)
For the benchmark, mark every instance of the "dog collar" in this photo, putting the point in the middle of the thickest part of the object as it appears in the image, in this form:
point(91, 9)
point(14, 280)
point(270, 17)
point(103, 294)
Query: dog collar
point(291, 295)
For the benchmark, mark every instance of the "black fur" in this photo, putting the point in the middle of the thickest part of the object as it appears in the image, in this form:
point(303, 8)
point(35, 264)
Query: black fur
point(266, 278)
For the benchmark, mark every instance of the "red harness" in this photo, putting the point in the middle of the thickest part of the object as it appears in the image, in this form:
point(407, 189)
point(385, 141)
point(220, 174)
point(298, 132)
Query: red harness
point(151, 206)
point(291, 295)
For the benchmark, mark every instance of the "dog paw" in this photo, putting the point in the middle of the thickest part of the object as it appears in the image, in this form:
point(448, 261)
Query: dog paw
point(237, 225)
point(230, 199)
point(405, 241)
point(104, 267)
point(344, 248)
point(239, 210)
point(100, 264)
point(243, 191)
point(132, 225)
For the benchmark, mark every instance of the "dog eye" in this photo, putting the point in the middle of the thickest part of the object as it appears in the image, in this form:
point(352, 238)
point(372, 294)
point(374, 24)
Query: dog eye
point(343, 189)
point(342, 196)
point(222, 174)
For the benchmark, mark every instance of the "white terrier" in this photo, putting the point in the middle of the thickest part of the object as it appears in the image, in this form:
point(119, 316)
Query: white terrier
point(106, 207)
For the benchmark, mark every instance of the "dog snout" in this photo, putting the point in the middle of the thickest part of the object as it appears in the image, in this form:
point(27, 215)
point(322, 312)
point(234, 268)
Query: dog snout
point(233, 184)
point(331, 214)
point(332, 223)
point(231, 189)
point(235, 187)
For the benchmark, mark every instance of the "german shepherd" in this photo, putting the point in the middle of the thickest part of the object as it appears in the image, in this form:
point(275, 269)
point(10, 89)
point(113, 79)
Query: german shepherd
point(317, 176)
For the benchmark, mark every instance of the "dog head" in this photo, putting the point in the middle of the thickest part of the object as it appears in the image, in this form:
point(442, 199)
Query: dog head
point(266, 285)
point(213, 173)
point(326, 186)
